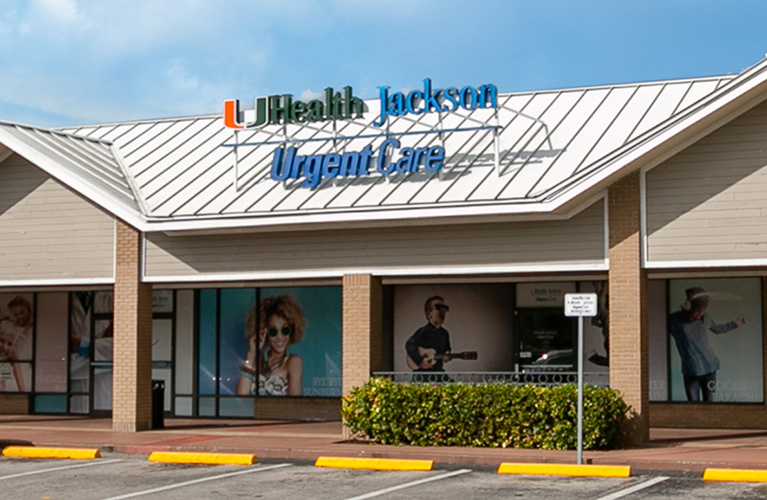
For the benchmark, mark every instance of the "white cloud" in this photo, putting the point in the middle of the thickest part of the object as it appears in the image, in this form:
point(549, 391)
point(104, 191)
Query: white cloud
point(59, 10)
point(307, 95)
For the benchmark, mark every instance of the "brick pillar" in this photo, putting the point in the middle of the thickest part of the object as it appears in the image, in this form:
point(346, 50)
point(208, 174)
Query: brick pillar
point(362, 342)
point(132, 374)
point(627, 289)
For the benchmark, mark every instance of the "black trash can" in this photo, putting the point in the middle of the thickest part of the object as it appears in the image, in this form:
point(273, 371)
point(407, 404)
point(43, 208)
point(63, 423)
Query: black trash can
point(158, 404)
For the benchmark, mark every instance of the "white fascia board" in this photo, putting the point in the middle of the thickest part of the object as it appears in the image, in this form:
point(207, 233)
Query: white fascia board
point(682, 264)
point(71, 180)
point(57, 282)
point(387, 271)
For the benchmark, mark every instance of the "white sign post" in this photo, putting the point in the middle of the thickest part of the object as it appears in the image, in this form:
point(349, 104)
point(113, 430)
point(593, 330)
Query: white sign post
point(580, 305)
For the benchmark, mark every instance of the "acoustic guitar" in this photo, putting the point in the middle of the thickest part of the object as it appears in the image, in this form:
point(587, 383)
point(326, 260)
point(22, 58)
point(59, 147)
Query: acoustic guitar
point(432, 357)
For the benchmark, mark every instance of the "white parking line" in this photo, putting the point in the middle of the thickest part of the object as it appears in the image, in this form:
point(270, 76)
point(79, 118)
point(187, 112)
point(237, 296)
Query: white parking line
point(195, 481)
point(636, 487)
point(52, 469)
point(408, 485)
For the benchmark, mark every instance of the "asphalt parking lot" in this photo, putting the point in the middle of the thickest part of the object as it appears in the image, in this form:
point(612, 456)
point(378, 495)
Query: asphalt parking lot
point(117, 477)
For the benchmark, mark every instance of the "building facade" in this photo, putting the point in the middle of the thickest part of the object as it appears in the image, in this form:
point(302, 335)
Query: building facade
point(262, 263)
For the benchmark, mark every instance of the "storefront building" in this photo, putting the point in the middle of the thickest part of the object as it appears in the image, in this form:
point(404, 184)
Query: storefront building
point(262, 263)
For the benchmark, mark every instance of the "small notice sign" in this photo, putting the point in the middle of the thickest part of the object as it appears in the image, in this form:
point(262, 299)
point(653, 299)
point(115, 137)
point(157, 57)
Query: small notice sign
point(580, 304)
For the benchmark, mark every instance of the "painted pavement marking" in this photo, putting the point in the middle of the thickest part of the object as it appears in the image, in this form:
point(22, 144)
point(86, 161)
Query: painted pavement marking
point(632, 489)
point(410, 484)
point(197, 481)
point(65, 467)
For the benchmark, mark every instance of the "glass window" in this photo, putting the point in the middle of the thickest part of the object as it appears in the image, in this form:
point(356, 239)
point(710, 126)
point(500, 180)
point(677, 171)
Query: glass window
point(713, 333)
point(207, 373)
point(236, 305)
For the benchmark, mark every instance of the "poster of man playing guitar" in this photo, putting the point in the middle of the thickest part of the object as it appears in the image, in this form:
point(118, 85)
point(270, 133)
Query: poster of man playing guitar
point(429, 347)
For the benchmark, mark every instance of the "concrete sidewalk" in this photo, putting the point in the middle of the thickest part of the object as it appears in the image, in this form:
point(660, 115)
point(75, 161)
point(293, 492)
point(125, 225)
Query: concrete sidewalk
point(679, 450)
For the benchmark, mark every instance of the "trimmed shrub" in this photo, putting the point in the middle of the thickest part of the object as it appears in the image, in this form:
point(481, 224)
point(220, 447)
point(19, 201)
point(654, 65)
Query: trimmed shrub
point(487, 415)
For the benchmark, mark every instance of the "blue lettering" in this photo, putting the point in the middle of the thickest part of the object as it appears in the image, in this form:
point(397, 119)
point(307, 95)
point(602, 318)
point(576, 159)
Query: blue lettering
point(396, 105)
point(383, 167)
point(279, 172)
point(384, 98)
point(286, 164)
point(412, 101)
point(488, 93)
point(467, 94)
point(364, 166)
point(295, 168)
point(313, 171)
point(434, 159)
point(451, 94)
point(349, 163)
point(417, 156)
point(330, 165)
point(405, 163)
point(432, 98)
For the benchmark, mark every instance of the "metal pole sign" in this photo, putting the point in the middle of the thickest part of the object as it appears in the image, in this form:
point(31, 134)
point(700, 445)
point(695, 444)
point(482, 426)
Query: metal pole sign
point(580, 305)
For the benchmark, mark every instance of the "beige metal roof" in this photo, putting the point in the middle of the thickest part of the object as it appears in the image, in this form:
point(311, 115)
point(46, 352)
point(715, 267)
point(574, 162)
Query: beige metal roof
point(184, 174)
point(184, 169)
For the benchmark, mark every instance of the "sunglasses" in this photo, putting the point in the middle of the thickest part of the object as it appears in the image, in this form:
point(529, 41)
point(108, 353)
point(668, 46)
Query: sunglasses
point(442, 307)
point(285, 331)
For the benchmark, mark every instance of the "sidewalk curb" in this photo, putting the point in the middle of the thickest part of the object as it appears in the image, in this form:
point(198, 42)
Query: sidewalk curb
point(565, 470)
point(374, 463)
point(185, 457)
point(735, 475)
point(35, 452)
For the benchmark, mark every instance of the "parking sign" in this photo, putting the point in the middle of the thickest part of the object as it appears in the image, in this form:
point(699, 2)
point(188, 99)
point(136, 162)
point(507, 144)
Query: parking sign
point(580, 304)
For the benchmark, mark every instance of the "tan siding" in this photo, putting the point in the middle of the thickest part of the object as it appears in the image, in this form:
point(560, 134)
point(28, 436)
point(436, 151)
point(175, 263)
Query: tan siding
point(579, 241)
point(49, 233)
point(708, 202)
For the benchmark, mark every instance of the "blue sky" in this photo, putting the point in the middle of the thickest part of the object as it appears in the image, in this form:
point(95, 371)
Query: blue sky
point(69, 62)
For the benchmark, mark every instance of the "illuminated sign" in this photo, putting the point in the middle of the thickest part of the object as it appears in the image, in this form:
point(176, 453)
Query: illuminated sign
point(282, 109)
point(389, 158)
point(278, 109)
point(431, 100)
point(286, 164)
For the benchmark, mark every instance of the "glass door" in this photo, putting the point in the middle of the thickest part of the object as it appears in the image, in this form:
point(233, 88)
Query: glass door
point(546, 339)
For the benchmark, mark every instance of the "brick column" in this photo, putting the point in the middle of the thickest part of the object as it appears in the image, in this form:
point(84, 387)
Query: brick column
point(362, 342)
point(132, 375)
point(627, 287)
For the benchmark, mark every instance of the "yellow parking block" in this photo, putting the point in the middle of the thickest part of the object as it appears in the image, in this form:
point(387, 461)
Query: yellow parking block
point(179, 457)
point(35, 452)
point(736, 475)
point(374, 463)
point(569, 470)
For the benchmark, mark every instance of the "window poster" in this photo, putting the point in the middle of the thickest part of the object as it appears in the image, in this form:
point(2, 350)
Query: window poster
point(714, 331)
point(16, 339)
point(495, 327)
point(472, 322)
point(280, 342)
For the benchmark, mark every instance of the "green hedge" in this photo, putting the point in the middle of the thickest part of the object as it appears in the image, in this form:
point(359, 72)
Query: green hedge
point(488, 415)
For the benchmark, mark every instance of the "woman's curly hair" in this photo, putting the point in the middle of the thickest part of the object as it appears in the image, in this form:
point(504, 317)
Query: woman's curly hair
point(285, 306)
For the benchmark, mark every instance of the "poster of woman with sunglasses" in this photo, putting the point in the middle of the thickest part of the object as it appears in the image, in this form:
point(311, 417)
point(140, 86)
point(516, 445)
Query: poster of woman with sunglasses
point(271, 342)
point(269, 366)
